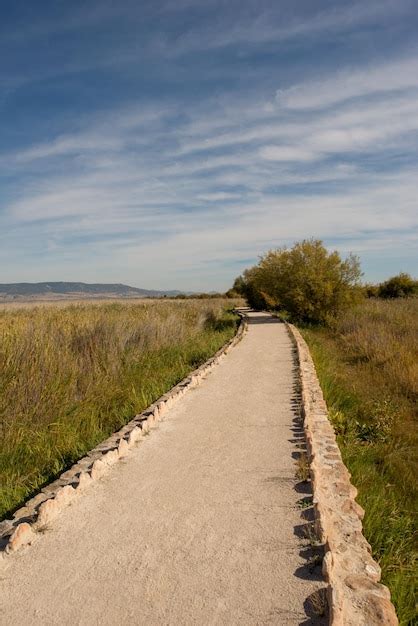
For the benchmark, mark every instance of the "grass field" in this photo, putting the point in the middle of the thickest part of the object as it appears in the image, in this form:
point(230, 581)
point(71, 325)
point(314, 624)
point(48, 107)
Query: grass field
point(368, 368)
point(70, 376)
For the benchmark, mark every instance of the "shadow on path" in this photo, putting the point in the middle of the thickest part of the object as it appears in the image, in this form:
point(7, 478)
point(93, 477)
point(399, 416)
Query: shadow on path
point(312, 551)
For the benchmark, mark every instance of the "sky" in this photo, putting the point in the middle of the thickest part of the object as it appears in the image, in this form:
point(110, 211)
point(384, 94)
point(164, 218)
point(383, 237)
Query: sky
point(167, 144)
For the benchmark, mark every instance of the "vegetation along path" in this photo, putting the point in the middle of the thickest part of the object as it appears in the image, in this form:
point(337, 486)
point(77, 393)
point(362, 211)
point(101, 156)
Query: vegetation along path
point(201, 524)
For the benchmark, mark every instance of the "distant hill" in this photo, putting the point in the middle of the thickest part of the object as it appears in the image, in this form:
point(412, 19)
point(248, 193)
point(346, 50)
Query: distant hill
point(84, 290)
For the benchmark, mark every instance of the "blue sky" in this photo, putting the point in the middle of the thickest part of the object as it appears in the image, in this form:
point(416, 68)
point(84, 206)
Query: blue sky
point(169, 143)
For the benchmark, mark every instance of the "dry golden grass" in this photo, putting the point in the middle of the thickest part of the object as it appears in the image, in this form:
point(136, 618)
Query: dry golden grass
point(383, 336)
point(21, 303)
point(368, 368)
point(69, 376)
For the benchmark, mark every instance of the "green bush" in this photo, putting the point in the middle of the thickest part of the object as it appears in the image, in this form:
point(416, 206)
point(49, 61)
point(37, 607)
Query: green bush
point(400, 286)
point(308, 282)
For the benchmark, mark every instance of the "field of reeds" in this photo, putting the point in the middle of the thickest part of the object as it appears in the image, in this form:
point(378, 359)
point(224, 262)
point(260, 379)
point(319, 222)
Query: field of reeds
point(70, 376)
point(368, 367)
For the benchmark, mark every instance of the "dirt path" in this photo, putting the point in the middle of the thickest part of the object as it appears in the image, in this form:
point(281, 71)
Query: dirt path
point(199, 525)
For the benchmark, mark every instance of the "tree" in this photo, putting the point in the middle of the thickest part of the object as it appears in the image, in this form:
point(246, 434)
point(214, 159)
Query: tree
point(308, 282)
point(400, 286)
point(246, 286)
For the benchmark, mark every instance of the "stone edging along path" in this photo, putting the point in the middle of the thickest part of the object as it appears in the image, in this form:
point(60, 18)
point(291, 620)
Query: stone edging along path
point(42, 509)
point(355, 596)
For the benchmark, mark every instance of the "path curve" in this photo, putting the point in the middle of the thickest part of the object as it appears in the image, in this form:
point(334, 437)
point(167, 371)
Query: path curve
point(199, 525)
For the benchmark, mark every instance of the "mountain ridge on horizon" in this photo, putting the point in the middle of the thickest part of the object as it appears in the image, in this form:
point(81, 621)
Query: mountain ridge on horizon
point(63, 288)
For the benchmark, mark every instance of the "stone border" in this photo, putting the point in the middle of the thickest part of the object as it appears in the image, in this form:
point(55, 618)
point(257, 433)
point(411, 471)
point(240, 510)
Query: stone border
point(355, 596)
point(42, 509)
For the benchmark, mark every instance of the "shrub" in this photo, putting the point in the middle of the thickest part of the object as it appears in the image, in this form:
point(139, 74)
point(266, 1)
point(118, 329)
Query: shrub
point(308, 282)
point(370, 290)
point(400, 286)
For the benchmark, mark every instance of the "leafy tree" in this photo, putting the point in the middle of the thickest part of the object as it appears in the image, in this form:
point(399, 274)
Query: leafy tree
point(307, 282)
point(400, 286)
point(246, 286)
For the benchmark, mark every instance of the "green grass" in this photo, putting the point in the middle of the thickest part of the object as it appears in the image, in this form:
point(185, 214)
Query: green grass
point(367, 366)
point(71, 376)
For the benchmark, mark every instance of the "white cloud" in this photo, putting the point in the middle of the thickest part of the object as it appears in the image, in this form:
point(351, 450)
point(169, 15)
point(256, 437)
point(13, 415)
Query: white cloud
point(149, 200)
point(351, 83)
point(217, 196)
point(276, 26)
point(287, 153)
point(73, 144)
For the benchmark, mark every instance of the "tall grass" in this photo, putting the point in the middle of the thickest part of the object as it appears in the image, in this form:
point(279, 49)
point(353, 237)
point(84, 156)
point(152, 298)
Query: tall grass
point(71, 376)
point(368, 368)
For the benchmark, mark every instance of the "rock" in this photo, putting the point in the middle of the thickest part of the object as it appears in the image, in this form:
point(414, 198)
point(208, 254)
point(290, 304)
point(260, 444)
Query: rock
point(84, 479)
point(111, 457)
point(134, 436)
point(98, 469)
point(6, 527)
point(351, 506)
point(21, 536)
point(38, 499)
point(123, 448)
point(25, 511)
point(64, 496)
point(378, 611)
point(84, 464)
point(69, 474)
point(47, 512)
point(358, 582)
point(50, 490)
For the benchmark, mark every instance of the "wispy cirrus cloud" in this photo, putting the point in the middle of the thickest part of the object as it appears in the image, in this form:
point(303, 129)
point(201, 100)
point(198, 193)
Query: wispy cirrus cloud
point(352, 83)
point(184, 180)
point(277, 22)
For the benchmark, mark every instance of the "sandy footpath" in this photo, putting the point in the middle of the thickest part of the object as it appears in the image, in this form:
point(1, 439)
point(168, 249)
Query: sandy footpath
point(199, 525)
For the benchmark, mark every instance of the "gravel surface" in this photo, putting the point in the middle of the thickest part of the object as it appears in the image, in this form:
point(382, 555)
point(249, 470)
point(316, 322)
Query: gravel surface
point(201, 523)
